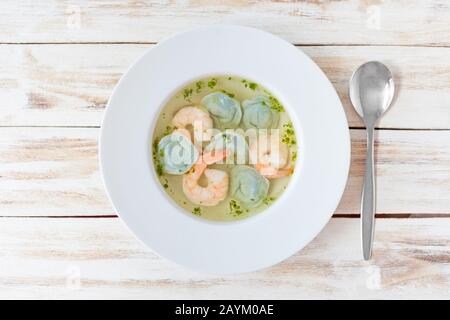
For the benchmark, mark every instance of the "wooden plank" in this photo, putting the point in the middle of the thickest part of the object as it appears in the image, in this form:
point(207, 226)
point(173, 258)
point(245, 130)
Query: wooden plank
point(69, 85)
point(99, 258)
point(50, 171)
point(54, 171)
point(411, 168)
point(310, 22)
point(59, 85)
point(421, 75)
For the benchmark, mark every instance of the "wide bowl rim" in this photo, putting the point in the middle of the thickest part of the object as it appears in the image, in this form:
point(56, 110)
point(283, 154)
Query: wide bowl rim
point(198, 258)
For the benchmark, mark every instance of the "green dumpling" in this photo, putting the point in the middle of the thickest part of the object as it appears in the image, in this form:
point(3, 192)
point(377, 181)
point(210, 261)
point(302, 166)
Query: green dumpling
point(176, 153)
point(225, 111)
point(258, 113)
point(248, 186)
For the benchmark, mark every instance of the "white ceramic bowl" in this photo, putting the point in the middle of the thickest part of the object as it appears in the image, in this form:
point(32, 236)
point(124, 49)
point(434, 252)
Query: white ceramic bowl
point(266, 238)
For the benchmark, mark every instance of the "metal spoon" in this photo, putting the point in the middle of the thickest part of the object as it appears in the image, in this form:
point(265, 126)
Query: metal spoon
point(371, 93)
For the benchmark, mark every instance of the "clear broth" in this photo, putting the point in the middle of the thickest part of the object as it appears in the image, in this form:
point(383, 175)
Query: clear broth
point(239, 89)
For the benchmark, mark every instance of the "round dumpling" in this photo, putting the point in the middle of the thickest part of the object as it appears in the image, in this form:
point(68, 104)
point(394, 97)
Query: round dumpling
point(258, 113)
point(176, 153)
point(248, 186)
point(225, 111)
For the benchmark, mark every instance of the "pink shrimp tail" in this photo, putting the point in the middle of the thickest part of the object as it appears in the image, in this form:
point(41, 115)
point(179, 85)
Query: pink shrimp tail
point(272, 173)
point(214, 157)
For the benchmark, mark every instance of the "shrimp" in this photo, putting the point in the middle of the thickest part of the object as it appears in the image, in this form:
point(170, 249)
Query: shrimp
point(216, 190)
point(271, 173)
point(269, 156)
point(214, 157)
point(200, 120)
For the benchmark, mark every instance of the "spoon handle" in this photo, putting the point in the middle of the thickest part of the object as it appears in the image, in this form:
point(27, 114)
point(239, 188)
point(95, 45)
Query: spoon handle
point(368, 199)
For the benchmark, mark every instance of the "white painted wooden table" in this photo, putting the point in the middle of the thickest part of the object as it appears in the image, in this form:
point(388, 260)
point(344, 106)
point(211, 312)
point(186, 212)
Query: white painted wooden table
point(59, 237)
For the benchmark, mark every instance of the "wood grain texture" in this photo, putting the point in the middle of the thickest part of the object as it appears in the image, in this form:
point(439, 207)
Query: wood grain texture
point(69, 85)
point(421, 75)
point(412, 172)
point(345, 22)
point(45, 171)
point(54, 171)
point(68, 258)
point(59, 85)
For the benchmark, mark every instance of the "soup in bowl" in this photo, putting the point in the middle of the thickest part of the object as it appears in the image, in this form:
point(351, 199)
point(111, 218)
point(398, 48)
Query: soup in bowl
point(224, 148)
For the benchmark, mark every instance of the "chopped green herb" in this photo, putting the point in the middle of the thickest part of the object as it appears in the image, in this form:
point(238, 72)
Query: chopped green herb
point(235, 208)
point(288, 136)
point(294, 155)
point(169, 130)
point(155, 147)
point(253, 86)
point(198, 86)
point(269, 200)
point(166, 184)
point(275, 104)
point(231, 95)
point(212, 83)
point(159, 169)
point(158, 165)
point(187, 93)
point(197, 211)
point(249, 84)
point(229, 78)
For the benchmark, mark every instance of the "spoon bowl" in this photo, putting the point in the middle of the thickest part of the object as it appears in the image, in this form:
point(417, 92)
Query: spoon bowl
point(371, 91)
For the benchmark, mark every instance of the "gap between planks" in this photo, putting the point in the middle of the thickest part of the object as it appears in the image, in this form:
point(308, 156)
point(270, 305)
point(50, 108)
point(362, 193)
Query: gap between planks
point(322, 44)
point(335, 216)
point(350, 128)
